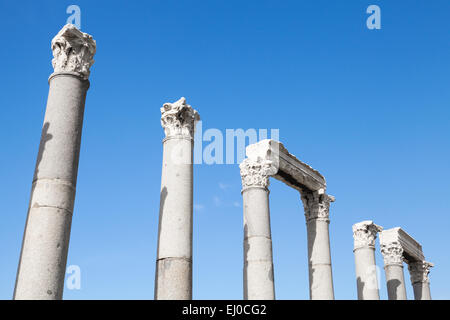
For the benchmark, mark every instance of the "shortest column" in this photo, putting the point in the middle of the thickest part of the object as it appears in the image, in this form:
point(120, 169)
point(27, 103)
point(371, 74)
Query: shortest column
point(364, 235)
point(419, 278)
point(258, 261)
point(393, 267)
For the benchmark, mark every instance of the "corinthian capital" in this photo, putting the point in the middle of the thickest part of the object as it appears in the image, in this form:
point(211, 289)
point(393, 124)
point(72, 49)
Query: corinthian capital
point(419, 271)
point(364, 234)
point(73, 51)
point(392, 253)
point(256, 172)
point(179, 118)
point(316, 204)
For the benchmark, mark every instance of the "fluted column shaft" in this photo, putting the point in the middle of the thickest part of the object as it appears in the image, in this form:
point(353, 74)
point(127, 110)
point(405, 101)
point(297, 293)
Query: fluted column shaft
point(316, 205)
point(393, 267)
point(258, 260)
point(173, 279)
point(364, 235)
point(43, 258)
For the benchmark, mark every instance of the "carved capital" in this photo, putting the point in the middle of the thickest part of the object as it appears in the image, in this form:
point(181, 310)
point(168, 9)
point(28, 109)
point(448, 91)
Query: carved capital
point(419, 271)
point(392, 253)
point(73, 51)
point(256, 173)
point(364, 234)
point(179, 119)
point(316, 205)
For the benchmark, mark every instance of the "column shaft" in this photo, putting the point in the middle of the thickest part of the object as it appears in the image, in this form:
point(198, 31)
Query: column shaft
point(319, 258)
point(46, 240)
point(258, 261)
point(174, 261)
point(364, 236)
point(173, 276)
point(422, 291)
point(420, 281)
point(395, 282)
point(366, 274)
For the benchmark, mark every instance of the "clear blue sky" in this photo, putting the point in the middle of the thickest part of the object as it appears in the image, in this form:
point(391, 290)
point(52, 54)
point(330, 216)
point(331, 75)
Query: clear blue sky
point(369, 109)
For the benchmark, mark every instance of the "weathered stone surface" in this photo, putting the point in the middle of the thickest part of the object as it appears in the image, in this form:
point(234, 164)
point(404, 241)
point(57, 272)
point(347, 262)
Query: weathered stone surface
point(397, 247)
point(365, 233)
point(43, 258)
point(258, 261)
point(412, 250)
point(179, 118)
point(256, 173)
point(419, 279)
point(269, 158)
point(316, 204)
point(419, 271)
point(174, 256)
point(289, 169)
point(73, 51)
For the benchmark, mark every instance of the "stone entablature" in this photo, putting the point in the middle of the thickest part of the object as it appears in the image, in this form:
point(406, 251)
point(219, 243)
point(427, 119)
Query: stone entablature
point(412, 250)
point(289, 169)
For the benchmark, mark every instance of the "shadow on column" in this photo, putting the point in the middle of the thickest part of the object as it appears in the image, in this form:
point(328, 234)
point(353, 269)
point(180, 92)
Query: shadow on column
point(360, 287)
point(392, 286)
point(246, 250)
point(311, 235)
point(162, 201)
point(418, 287)
point(45, 137)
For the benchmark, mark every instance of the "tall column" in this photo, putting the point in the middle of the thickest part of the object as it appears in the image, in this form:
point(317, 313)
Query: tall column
point(45, 244)
point(419, 278)
point(174, 257)
point(258, 261)
point(317, 206)
point(364, 235)
point(393, 267)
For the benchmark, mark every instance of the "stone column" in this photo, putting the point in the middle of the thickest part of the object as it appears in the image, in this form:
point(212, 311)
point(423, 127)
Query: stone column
point(258, 261)
point(419, 278)
point(364, 235)
point(317, 205)
point(45, 244)
point(174, 257)
point(393, 267)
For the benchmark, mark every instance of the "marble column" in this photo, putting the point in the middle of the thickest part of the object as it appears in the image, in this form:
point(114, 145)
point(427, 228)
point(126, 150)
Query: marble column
point(419, 278)
point(364, 236)
point(173, 280)
point(316, 205)
point(258, 261)
point(393, 267)
point(45, 244)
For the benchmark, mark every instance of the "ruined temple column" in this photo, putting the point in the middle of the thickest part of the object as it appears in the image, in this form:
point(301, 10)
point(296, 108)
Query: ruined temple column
point(173, 279)
point(393, 267)
point(419, 278)
point(317, 205)
point(45, 244)
point(364, 235)
point(258, 262)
